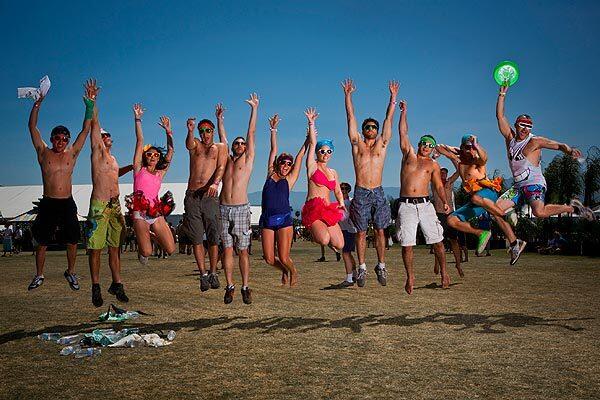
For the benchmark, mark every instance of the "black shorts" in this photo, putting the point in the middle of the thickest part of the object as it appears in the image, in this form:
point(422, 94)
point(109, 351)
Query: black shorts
point(349, 242)
point(451, 233)
point(56, 222)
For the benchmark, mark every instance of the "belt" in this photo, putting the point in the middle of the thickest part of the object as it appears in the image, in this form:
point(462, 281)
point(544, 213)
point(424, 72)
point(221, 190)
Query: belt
point(414, 200)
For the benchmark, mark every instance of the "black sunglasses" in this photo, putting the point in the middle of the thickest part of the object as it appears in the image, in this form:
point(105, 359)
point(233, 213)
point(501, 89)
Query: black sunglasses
point(369, 127)
point(239, 143)
point(207, 130)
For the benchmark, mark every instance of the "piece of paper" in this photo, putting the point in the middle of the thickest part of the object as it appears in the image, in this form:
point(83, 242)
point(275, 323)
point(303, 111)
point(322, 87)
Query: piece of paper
point(34, 93)
point(44, 85)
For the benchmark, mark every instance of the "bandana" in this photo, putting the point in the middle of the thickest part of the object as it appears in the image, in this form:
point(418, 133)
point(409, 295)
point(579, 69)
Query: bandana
point(325, 142)
point(428, 139)
point(525, 120)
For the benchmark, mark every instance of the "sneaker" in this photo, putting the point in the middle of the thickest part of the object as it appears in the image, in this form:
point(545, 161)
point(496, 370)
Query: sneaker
point(204, 284)
point(213, 280)
point(582, 211)
point(338, 256)
point(346, 284)
point(483, 240)
point(381, 275)
point(36, 282)
point(516, 250)
point(72, 279)
point(322, 259)
point(354, 274)
point(361, 277)
point(117, 290)
point(247, 295)
point(228, 298)
point(97, 295)
point(143, 260)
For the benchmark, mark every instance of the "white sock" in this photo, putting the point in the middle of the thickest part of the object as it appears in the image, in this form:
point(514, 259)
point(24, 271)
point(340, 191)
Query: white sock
point(381, 265)
point(349, 277)
point(362, 266)
point(244, 287)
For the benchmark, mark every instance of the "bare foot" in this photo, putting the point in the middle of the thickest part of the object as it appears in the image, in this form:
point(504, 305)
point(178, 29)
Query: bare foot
point(410, 283)
point(445, 281)
point(460, 271)
point(284, 278)
point(436, 269)
point(293, 278)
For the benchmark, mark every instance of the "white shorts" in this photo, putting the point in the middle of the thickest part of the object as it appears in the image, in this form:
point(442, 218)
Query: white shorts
point(421, 214)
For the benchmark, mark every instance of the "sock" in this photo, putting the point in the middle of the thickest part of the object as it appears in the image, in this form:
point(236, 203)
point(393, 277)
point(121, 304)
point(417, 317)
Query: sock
point(349, 277)
point(513, 244)
point(245, 287)
point(205, 274)
point(362, 266)
point(381, 265)
point(230, 286)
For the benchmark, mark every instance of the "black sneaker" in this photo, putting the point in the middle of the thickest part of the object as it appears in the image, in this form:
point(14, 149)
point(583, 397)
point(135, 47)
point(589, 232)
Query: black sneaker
point(338, 256)
point(213, 280)
point(204, 285)
point(361, 277)
point(117, 290)
point(381, 275)
point(247, 295)
point(346, 284)
point(322, 259)
point(36, 282)
point(72, 279)
point(228, 298)
point(97, 295)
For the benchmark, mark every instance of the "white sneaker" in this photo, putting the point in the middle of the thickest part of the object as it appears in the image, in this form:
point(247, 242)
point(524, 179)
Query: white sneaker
point(143, 260)
point(516, 250)
point(582, 211)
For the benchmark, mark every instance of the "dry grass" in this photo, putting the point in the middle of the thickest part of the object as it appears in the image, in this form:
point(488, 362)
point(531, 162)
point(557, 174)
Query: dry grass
point(527, 332)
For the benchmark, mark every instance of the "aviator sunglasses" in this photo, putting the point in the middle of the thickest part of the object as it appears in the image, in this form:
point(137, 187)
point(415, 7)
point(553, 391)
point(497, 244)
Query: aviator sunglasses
point(207, 130)
point(285, 162)
point(370, 127)
point(63, 139)
point(239, 143)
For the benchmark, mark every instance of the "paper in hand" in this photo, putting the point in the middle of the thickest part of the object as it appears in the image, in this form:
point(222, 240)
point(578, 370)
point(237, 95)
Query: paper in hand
point(34, 93)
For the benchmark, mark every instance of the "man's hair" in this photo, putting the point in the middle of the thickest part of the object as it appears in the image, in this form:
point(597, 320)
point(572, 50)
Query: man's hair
point(60, 130)
point(346, 184)
point(366, 121)
point(206, 121)
point(239, 137)
point(280, 158)
point(443, 169)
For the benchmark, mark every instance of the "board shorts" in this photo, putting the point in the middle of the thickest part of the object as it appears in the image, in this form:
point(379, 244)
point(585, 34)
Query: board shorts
point(370, 204)
point(417, 212)
point(7, 244)
point(316, 209)
point(349, 242)
point(56, 220)
point(529, 194)
point(470, 212)
point(449, 232)
point(105, 224)
point(202, 216)
point(276, 222)
point(236, 226)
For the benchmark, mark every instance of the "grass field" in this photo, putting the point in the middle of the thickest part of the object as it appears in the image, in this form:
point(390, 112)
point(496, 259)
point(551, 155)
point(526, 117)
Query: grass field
point(525, 332)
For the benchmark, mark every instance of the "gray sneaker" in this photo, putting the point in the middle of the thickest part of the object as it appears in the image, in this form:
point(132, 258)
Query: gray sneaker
point(346, 284)
point(381, 275)
point(516, 250)
point(204, 283)
point(213, 280)
point(582, 211)
point(72, 279)
point(36, 282)
point(361, 277)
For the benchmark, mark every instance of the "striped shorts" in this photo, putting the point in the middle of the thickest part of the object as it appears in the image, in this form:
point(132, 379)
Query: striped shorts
point(235, 221)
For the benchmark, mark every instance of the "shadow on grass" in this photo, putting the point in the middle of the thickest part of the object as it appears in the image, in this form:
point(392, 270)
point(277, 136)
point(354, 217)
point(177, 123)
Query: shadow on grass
point(434, 285)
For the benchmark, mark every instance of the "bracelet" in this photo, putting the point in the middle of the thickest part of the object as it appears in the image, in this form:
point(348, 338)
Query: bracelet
point(138, 120)
point(394, 102)
point(273, 129)
point(501, 94)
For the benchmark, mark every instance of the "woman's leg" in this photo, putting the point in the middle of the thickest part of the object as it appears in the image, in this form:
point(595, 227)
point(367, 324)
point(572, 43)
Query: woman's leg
point(142, 235)
point(268, 246)
point(284, 245)
point(336, 237)
point(320, 233)
point(164, 236)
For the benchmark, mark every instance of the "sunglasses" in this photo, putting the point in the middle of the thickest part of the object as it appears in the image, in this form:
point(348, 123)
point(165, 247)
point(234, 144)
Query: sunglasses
point(524, 125)
point(105, 135)
point(427, 144)
point(323, 151)
point(370, 127)
point(151, 154)
point(63, 139)
point(285, 162)
point(239, 143)
point(467, 147)
point(206, 130)
point(345, 189)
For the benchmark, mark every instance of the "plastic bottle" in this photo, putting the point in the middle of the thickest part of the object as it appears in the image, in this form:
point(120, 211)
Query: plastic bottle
point(69, 339)
point(87, 352)
point(49, 336)
point(171, 335)
point(67, 351)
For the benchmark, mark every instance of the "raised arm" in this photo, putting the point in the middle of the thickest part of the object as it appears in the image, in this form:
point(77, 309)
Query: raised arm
point(220, 114)
point(503, 123)
point(190, 142)
point(36, 137)
point(138, 112)
point(251, 135)
point(405, 145)
point(89, 99)
point(95, 136)
point(452, 153)
point(483, 157)
point(311, 116)
point(125, 169)
point(165, 123)
point(436, 180)
point(213, 189)
point(450, 181)
point(389, 114)
point(295, 172)
point(338, 191)
point(349, 88)
point(544, 143)
point(273, 123)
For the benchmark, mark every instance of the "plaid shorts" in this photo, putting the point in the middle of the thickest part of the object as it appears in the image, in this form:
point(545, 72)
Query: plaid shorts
point(236, 226)
point(370, 204)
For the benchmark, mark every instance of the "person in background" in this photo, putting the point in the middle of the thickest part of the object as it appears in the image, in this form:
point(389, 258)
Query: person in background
point(349, 232)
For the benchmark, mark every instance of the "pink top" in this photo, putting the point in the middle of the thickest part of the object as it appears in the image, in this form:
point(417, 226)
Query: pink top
point(320, 178)
point(148, 183)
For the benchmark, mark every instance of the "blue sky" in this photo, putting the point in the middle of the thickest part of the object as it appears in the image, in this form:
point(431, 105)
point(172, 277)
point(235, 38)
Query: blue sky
point(180, 58)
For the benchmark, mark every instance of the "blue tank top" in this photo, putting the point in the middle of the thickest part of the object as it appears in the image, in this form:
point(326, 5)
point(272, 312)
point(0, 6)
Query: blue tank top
point(275, 197)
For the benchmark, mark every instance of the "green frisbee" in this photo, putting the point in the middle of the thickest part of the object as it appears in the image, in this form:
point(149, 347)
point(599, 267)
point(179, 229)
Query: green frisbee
point(506, 72)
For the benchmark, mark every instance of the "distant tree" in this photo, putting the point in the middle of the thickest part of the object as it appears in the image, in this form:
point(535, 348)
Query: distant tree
point(563, 176)
point(591, 177)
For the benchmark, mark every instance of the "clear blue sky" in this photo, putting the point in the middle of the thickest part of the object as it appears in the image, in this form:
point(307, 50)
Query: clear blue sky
point(180, 59)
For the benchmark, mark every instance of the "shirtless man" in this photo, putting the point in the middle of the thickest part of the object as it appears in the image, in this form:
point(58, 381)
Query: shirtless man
point(470, 161)
point(235, 209)
point(418, 171)
point(57, 210)
point(105, 221)
point(207, 164)
point(369, 202)
point(524, 151)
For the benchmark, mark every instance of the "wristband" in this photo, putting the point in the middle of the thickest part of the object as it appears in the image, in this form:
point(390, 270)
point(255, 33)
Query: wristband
point(394, 102)
point(89, 108)
point(273, 129)
point(501, 94)
point(170, 133)
point(138, 120)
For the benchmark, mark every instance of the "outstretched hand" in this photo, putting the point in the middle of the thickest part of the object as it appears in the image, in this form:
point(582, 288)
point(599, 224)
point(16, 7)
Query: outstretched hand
point(402, 105)
point(576, 153)
point(348, 86)
point(191, 124)
point(253, 100)
point(394, 87)
point(91, 89)
point(219, 111)
point(503, 89)
point(274, 121)
point(138, 111)
point(165, 123)
point(311, 115)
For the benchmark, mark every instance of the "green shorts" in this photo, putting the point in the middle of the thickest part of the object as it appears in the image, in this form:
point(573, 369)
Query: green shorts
point(105, 224)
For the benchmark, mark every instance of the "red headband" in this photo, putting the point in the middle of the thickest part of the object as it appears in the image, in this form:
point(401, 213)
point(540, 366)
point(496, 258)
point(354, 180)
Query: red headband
point(524, 121)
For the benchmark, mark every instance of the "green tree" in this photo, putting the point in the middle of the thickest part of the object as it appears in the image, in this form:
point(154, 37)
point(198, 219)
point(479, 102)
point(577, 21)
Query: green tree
point(563, 176)
point(591, 177)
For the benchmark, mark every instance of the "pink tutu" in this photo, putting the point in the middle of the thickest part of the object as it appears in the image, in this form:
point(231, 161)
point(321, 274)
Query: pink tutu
point(316, 209)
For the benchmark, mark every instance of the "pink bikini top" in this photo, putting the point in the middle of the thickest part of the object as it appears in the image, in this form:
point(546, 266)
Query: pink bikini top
point(320, 178)
point(148, 183)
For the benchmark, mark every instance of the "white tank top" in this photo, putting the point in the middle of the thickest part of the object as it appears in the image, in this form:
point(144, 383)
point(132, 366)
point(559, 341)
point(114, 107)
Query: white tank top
point(524, 172)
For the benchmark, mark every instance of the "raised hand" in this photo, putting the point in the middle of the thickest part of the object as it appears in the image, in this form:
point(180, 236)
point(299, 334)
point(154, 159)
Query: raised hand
point(274, 122)
point(348, 86)
point(503, 90)
point(402, 105)
point(191, 124)
point(394, 86)
point(91, 89)
point(165, 123)
point(576, 153)
point(219, 111)
point(138, 111)
point(311, 115)
point(253, 100)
